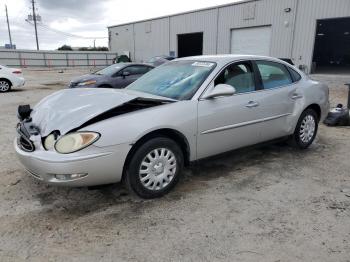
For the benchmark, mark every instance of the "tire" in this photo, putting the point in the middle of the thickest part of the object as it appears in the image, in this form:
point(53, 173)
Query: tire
point(306, 130)
point(165, 160)
point(5, 85)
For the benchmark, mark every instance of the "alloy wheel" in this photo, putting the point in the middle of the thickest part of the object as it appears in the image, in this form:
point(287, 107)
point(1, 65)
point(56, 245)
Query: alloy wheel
point(307, 129)
point(4, 86)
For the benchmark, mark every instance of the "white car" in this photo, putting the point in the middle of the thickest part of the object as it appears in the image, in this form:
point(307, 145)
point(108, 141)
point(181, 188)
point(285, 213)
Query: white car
point(9, 78)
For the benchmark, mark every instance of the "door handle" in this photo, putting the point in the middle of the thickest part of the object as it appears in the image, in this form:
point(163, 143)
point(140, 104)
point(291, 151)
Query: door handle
point(252, 104)
point(296, 96)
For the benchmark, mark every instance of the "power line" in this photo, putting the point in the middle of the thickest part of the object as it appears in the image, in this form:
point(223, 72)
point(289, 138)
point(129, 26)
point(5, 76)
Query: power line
point(66, 33)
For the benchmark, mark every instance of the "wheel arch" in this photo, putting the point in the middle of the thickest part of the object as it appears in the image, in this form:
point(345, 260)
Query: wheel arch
point(6, 79)
point(316, 108)
point(173, 134)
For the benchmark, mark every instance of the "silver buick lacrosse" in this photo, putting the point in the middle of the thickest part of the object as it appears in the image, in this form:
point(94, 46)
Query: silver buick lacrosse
point(183, 111)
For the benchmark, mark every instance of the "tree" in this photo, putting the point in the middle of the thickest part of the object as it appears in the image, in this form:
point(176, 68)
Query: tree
point(65, 48)
point(99, 48)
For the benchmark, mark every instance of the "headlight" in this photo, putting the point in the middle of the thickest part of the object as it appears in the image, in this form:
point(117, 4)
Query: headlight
point(86, 83)
point(49, 142)
point(76, 141)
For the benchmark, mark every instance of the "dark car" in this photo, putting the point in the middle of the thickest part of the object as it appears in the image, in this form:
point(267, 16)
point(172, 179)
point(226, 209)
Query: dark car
point(159, 60)
point(115, 76)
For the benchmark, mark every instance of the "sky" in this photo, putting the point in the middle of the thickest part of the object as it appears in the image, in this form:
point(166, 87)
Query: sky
point(84, 19)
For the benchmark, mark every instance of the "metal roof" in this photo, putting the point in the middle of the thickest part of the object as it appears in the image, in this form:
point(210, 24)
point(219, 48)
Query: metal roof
point(184, 13)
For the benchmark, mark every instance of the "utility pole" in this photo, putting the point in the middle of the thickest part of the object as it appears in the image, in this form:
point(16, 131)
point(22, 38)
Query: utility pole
point(8, 26)
point(36, 30)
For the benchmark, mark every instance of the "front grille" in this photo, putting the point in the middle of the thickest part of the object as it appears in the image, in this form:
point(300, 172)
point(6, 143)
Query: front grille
point(24, 141)
point(26, 144)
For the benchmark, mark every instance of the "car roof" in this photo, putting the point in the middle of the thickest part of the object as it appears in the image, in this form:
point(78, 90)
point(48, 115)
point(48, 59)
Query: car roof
point(227, 58)
point(125, 64)
point(131, 64)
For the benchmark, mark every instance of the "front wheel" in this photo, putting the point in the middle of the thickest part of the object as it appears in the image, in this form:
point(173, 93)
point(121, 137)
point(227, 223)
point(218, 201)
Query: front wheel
point(306, 130)
point(155, 168)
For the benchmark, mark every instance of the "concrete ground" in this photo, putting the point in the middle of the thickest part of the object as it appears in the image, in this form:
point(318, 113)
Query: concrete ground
point(271, 203)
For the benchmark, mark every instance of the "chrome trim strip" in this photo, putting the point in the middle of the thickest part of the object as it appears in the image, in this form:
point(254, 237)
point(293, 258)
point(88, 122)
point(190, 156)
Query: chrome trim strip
point(223, 128)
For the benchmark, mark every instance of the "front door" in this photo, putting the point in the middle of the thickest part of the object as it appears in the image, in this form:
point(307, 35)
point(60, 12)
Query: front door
point(226, 123)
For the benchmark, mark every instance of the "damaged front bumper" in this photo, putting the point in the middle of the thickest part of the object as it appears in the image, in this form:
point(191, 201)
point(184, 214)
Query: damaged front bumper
point(89, 167)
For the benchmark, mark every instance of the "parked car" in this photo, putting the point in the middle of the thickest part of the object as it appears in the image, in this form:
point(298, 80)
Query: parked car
point(114, 76)
point(159, 60)
point(185, 110)
point(10, 78)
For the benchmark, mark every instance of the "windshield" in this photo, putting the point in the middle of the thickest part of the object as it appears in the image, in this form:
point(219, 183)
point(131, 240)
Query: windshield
point(110, 70)
point(177, 80)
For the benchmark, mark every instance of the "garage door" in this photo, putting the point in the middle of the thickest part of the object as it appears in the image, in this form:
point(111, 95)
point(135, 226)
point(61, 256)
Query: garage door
point(251, 41)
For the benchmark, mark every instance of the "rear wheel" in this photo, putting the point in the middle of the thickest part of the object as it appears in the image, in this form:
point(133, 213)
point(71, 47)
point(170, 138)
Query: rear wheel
point(5, 85)
point(155, 168)
point(306, 130)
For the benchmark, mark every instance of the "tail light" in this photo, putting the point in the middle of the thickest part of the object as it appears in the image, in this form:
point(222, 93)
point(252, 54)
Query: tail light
point(17, 72)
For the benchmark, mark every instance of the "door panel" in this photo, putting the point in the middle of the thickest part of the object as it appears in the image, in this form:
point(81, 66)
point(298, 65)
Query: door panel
point(228, 123)
point(119, 82)
point(277, 99)
point(277, 106)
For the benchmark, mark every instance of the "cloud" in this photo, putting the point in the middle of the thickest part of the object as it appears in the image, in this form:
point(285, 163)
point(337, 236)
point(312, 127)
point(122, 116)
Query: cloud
point(83, 9)
point(87, 18)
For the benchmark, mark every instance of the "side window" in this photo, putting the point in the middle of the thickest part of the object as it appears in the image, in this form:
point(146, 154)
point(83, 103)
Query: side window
point(240, 76)
point(295, 75)
point(273, 74)
point(137, 70)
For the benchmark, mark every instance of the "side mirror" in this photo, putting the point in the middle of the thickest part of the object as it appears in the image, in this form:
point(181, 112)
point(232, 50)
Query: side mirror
point(220, 90)
point(124, 74)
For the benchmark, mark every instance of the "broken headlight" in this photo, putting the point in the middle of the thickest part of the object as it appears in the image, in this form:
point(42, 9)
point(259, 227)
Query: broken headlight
point(86, 83)
point(49, 142)
point(76, 141)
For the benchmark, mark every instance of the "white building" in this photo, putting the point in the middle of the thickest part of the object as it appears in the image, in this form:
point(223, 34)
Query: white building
point(315, 34)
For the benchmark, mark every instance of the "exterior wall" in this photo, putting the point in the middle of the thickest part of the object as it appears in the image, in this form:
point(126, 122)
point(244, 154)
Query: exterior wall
point(152, 36)
point(309, 11)
point(122, 40)
point(202, 21)
point(259, 13)
point(30, 58)
point(293, 32)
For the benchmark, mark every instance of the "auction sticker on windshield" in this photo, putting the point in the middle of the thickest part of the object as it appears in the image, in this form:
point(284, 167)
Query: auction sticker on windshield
point(203, 64)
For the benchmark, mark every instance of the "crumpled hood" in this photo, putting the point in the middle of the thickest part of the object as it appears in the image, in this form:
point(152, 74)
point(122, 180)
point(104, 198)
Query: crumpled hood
point(70, 108)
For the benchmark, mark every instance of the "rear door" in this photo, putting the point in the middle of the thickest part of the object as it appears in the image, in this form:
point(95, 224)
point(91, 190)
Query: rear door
point(277, 98)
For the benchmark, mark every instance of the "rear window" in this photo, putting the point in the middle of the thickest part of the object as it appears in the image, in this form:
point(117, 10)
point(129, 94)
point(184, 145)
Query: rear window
point(295, 75)
point(273, 74)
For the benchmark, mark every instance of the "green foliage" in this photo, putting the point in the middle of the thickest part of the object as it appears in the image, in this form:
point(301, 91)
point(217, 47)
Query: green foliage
point(99, 48)
point(65, 48)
